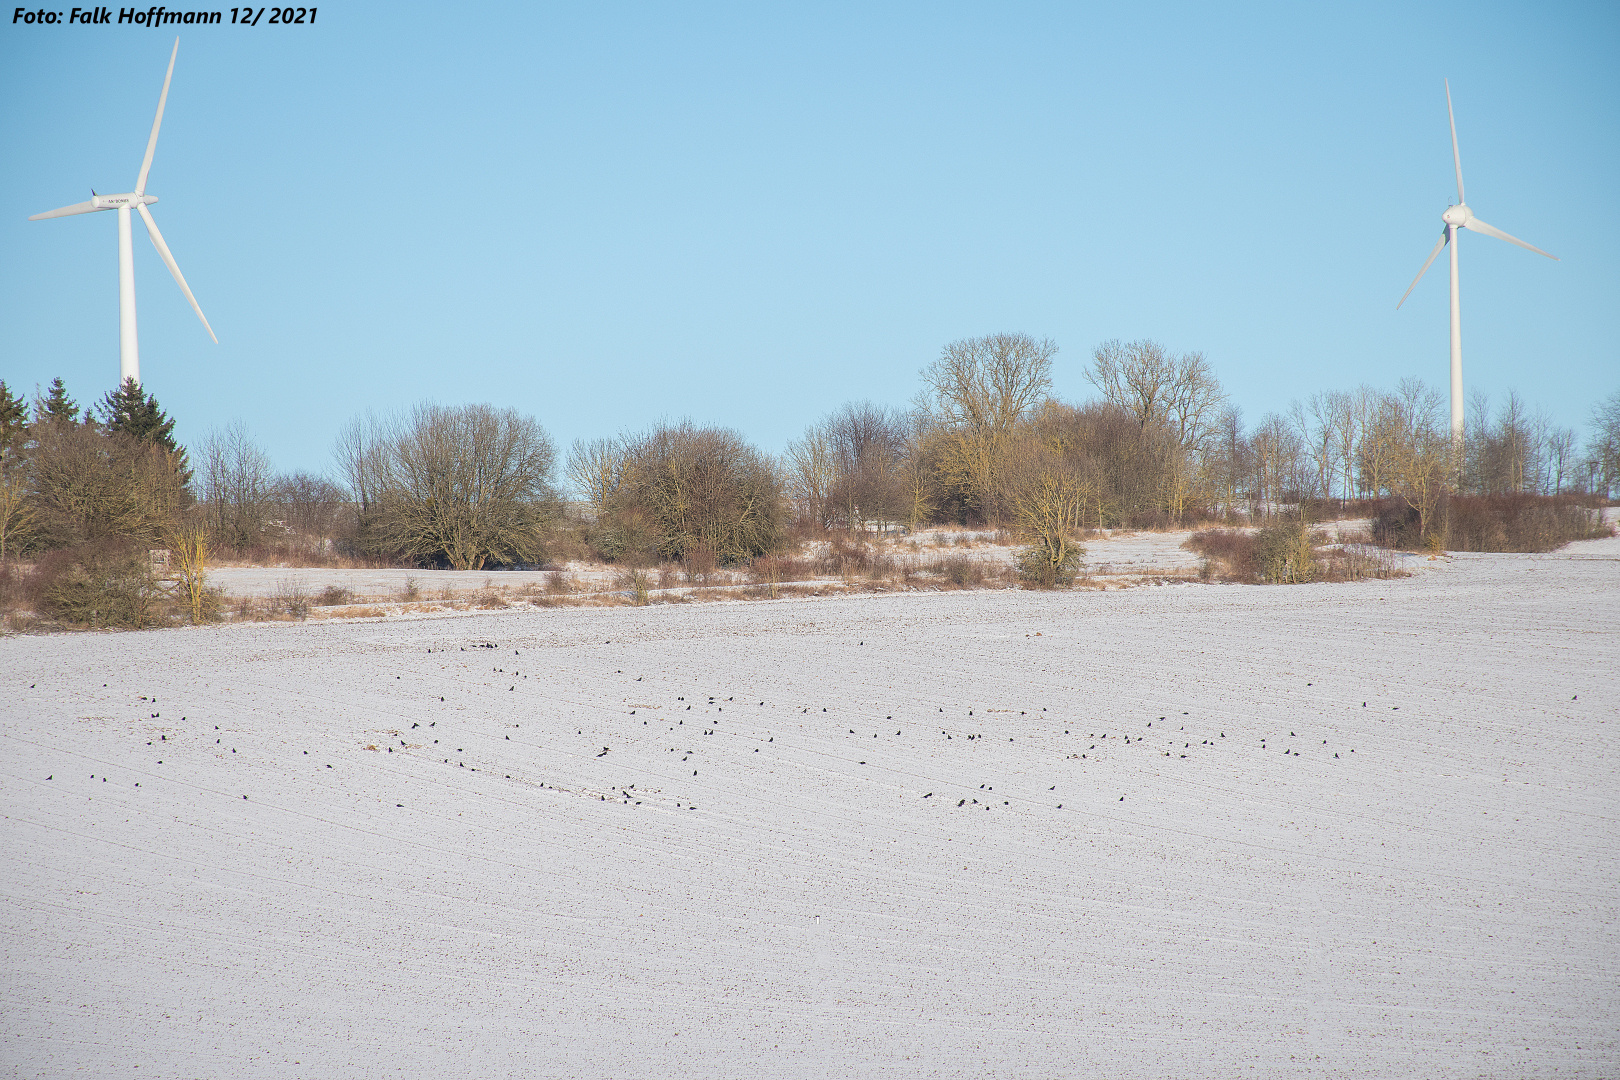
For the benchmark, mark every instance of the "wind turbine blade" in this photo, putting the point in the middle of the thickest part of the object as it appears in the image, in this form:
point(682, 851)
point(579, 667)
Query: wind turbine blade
point(1426, 264)
point(68, 211)
point(174, 268)
point(157, 122)
point(1456, 158)
point(1491, 230)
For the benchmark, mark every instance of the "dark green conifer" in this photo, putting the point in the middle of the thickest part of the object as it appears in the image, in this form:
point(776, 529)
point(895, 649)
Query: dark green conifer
point(13, 422)
point(133, 412)
point(56, 407)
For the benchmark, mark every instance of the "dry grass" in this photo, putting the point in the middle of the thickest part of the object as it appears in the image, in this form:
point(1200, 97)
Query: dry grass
point(358, 612)
point(958, 571)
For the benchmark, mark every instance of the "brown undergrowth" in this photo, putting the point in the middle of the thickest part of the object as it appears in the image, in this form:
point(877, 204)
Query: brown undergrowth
point(1286, 553)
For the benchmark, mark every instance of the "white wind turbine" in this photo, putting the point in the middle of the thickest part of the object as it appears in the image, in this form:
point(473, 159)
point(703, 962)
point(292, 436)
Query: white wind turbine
point(129, 357)
point(1459, 217)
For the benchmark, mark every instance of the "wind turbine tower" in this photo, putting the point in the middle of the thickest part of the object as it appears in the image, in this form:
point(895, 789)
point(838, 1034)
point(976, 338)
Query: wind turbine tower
point(129, 354)
point(1457, 216)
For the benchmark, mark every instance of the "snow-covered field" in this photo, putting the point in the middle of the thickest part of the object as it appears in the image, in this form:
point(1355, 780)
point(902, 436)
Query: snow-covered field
point(1360, 830)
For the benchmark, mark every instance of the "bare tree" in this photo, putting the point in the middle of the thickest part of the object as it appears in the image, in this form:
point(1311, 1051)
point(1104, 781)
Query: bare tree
point(1314, 421)
point(1343, 415)
point(1560, 457)
point(596, 469)
point(1603, 449)
point(1179, 392)
point(917, 468)
point(1279, 460)
point(15, 513)
point(1384, 435)
point(236, 480)
point(469, 484)
point(1225, 461)
point(310, 508)
point(979, 390)
point(696, 493)
point(866, 443)
point(361, 455)
point(809, 473)
point(1421, 454)
point(1047, 495)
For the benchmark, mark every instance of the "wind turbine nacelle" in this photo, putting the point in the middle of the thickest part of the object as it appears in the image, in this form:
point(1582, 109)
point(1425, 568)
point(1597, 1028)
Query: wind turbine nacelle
point(1457, 215)
point(128, 200)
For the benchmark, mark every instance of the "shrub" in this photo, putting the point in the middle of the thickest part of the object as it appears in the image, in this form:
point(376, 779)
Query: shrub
point(638, 583)
point(102, 585)
point(1229, 554)
point(290, 599)
point(1356, 562)
point(959, 570)
point(845, 556)
point(335, 596)
point(687, 490)
point(1044, 566)
point(466, 485)
point(489, 599)
point(11, 585)
point(700, 566)
point(89, 487)
point(1285, 553)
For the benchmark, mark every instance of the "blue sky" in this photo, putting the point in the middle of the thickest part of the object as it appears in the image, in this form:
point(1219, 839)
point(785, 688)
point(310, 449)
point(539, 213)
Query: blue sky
point(605, 215)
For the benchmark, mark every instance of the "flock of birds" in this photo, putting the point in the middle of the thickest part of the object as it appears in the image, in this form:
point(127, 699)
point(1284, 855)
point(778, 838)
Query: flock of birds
point(828, 738)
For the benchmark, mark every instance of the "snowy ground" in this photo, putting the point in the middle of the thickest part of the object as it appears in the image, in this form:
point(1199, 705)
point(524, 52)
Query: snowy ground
point(1370, 832)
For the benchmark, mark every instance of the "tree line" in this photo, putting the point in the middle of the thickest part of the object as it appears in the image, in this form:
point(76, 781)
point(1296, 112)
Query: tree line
point(983, 442)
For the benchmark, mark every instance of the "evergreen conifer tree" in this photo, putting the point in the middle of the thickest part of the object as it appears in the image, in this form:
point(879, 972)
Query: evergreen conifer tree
point(129, 410)
point(138, 415)
point(13, 421)
point(56, 407)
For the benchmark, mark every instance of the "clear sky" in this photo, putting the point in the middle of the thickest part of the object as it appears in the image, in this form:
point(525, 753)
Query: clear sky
point(608, 214)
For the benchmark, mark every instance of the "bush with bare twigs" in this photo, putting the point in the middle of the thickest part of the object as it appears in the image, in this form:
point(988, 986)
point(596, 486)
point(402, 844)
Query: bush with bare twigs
point(1283, 553)
point(1287, 552)
point(638, 583)
point(691, 494)
point(291, 599)
point(467, 485)
point(961, 571)
point(335, 596)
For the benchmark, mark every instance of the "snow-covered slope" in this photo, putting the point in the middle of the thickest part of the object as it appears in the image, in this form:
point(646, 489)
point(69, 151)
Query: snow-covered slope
point(1347, 830)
